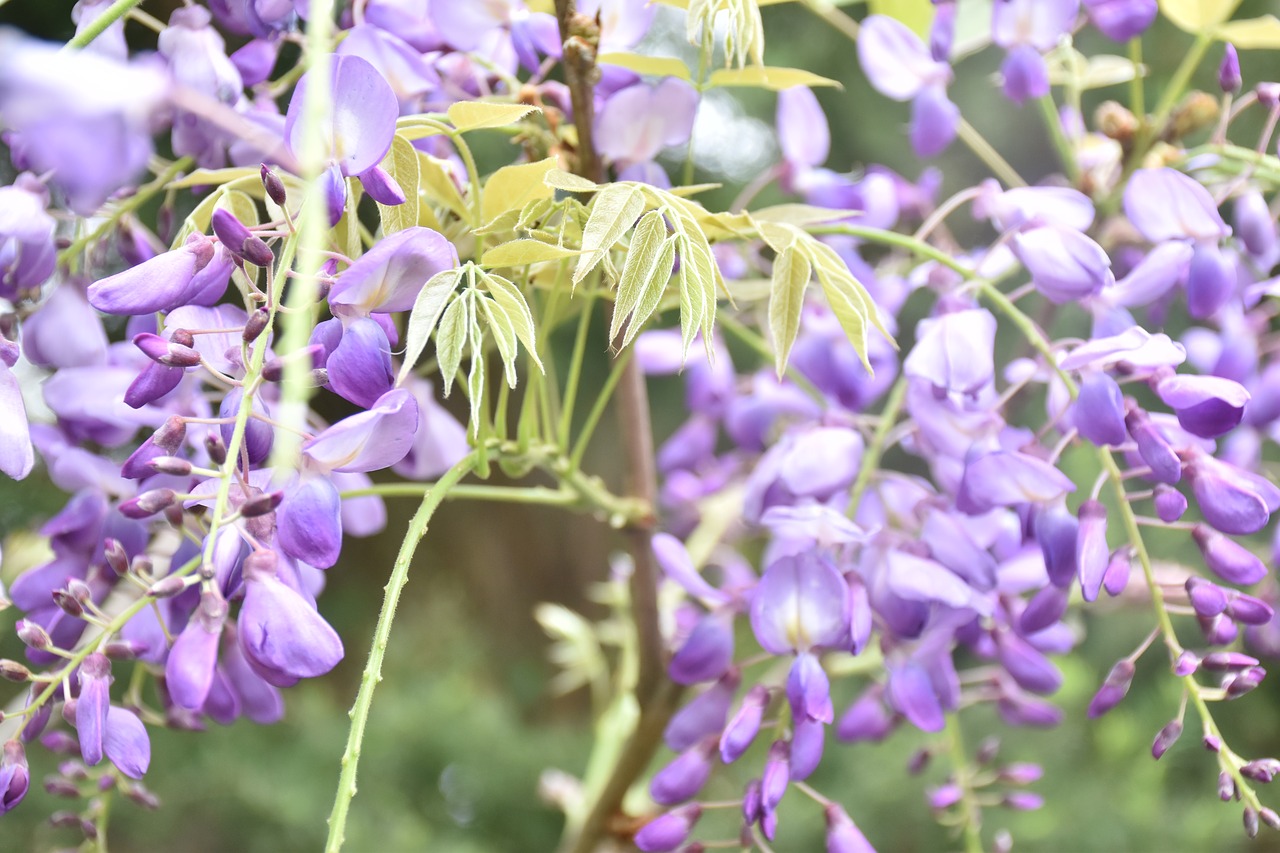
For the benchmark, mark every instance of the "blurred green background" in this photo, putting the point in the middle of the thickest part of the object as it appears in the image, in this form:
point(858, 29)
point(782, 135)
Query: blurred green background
point(463, 725)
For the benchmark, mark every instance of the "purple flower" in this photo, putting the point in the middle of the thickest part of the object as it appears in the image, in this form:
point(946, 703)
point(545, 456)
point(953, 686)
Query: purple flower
point(704, 715)
point(198, 62)
point(15, 776)
point(953, 351)
point(27, 252)
point(1065, 265)
point(1092, 556)
point(309, 522)
point(189, 670)
point(801, 603)
point(667, 832)
point(741, 731)
point(1099, 410)
point(389, 276)
point(636, 123)
point(684, 776)
point(165, 282)
point(843, 836)
point(1229, 78)
point(900, 66)
point(1008, 478)
point(1164, 204)
point(1207, 406)
point(1121, 20)
point(368, 441)
point(126, 743)
point(1227, 558)
point(809, 690)
point(282, 636)
point(803, 134)
point(1026, 29)
point(359, 367)
point(708, 651)
point(92, 706)
point(17, 457)
point(1113, 689)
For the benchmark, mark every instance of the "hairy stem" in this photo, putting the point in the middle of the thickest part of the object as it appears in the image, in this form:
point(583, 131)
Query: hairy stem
point(373, 669)
point(971, 815)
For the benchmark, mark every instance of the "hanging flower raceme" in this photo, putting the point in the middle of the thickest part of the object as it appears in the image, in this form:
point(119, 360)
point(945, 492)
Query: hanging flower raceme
point(900, 66)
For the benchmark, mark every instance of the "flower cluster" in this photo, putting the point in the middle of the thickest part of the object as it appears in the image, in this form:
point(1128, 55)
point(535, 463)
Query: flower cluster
point(911, 494)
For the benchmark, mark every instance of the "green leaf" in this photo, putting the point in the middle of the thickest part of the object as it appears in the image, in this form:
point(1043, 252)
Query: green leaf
point(240, 206)
point(558, 179)
point(450, 339)
point(512, 187)
point(764, 77)
point(826, 258)
point(197, 220)
point(476, 115)
point(518, 253)
point(654, 288)
point(659, 66)
point(475, 376)
point(1252, 33)
point(1193, 16)
point(916, 14)
point(427, 308)
point(613, 211)
point(646, 244)
point(401, 163)
point(504, 335)
point(798, 214)
point(791, 272)
point(509, 297)
point(436, 181)
point(842, 296)
point(214, 177)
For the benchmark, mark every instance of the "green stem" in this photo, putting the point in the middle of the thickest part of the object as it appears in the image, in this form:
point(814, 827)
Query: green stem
point(1066, 153)
point(875, 450)
point(988, 154)
point(142, 196)
point(597, 409)
point(901, 241)
point(1137, 87)
point(113, 13)
point(472, 492)
point(373, 669)
point(970, 813)
point(575, 370)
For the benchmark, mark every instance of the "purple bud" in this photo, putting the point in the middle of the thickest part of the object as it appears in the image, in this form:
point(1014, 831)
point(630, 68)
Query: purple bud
point(11, 670)
point(809, 690)
point(667, 832)
point(1269, 817)
point(867, 718)
point(1250, 822)
point(335, 194)
point(1244, 682)
point(1166, 738)
point(1186, 664)
point(752, 806)
point(742, 729)
point(1231, 500)
point(1227, 661)
point(684, 776)
point(1025, 74)
point(1021, 773)
point(170, 465)
point(1261, 770)
point(164, 352)
point(1211, 281)
point(92, 706)
point(1207, 598)
point(1218, 630)
point(1056, 532)
point(942, 32)
point(1099, 410)
point(1227, 558)
point(808, 738)
point(1170, 503)
point(777, 773)
point(708, 651)
point(239, 240)
point(255, 325)
point(1253, 223)
point(148, 503)
point(33, 635)
point(189, 668)
point(703, 716)
point(1116, 577)
point(1044, 609)
point(1022, 710)
point(1092, 554)
point(1113, 688)
point(1023, 801)
point(1154, 448)
point(1207, 406)
point(843, 836)
point(945, 796)
point(259, 436)
point(1247, 609)
point(1121, 20)
point(1229, 79)
point(273, 185)
point(1226, 787)
point(1030, 669)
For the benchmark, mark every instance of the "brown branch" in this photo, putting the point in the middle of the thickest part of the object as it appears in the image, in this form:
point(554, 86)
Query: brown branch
point(657, 696)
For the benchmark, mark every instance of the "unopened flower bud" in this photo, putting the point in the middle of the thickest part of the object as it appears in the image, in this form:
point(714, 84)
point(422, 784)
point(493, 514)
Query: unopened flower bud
point(148, 503)
point(777, 773)
point(60, 742)
point(1250, 822)
point(124, 649)
point(1186, 664)
point(1170, 503)
point(256, 324)
point(1197, 111)
point(1115, 121)
point(1244, 682)
point(67, 603)
point(1261, 770)
point(170, 465)
point(1119, 567)
point(166, 352)
point(1227, 558)
point(1247, 609)
point(33, 635)
point(741, 730)
point(15, 775)
point(1021, 773)
point(1113, 688)
point(1166, 738)
point(1269, 817)
point(59, 787)
point(918, 761)
point(11, 670)
point(261, 504)
point(1268, 94)
point(843, 835)
point(216, 449)
point(1227, 661)
point(273, 185)
point(117, 559)
point(167, 587)
point(668, 831)
point(1226, 787)
point(239, 240)
point(684, 776)
point(1229, 78)
point(1211, 743)
point(1023, 801)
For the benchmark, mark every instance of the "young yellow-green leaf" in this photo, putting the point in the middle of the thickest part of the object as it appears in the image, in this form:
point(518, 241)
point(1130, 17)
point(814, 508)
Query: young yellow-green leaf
point(646, 244)
point(450, 338)
point(798, 214)
point(791, 272)
point(239, 205)
point(214, 177)
point(401, 163)
point(517, 253)
point(1252, 33)
point(692, 306)
point(846, 304)
point(659, 66)
point(427, 308)
point(476, 115)
point(702, 265)
point(504, 335)
point(512, 301)
point(512, 187)
point(764, 77)
point(916, 14)
point(475, 376)
point(654, 288)
point(436, 180)
point(613, 211)
point(825, 258)
point(558, 179)
point(1195, 16)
